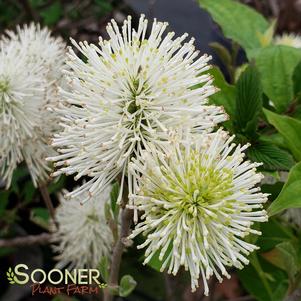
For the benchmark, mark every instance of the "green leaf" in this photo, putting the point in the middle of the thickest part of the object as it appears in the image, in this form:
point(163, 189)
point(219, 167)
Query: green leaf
point(276, 65)
point(238, 22)
point(52, 14)
point(267, 38)
point(272, 157)
point(285, 256)
point(273, 233)
point(114, 196)
point(155, 262)
point(226, 95)
point(248, 101)
point(127, 285)
point(37, 3)
point(104, 268)
point(263, 281)
point(57, 184)
point(297, 80)
point(40, 216)
point(103, 7)
point(222, 52)
point(289, 128)
point(290, 195)
point(276, 139)
point(28, 192)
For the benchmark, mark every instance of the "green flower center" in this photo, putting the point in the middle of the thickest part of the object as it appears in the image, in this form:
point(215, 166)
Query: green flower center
point(93, 218)
point(4, 85)
point(197, 190)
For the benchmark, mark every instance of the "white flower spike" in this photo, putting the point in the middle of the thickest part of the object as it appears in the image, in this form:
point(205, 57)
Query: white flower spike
point(125, 96)
point(20, 93)
point(83, 236)
point(198, 201)
point(30, 73)
point(288, 39)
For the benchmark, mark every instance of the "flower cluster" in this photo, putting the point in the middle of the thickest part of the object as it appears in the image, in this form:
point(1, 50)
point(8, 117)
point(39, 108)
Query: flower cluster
point(199, 202)
point(31, 64)
point(137, 109)
point(125, 97)
point(83, 235)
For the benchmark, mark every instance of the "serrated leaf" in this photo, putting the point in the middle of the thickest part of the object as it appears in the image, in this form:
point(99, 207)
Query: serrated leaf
point(289, 128)
point(104, 268)
point(114, 197)
point(290, 195)
point(248, 102)
point(127, 285)
point(272, 157)
point(276, 65)
point(226, 95)
point(231, 14)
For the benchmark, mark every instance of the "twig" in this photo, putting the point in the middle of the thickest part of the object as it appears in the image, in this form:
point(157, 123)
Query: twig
point(47, 201)
point(274, 7)
point(29, 10)
point(126, 221)
point(29, 240)
point(295, 296)
point(244, 298)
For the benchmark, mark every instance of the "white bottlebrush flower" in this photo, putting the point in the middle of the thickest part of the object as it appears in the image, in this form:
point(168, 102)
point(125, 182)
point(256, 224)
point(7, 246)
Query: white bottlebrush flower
point(83, 235)
point(42, 57)
point(288, 39)
point(20, 91)
point(198, 201)
point(125, 96)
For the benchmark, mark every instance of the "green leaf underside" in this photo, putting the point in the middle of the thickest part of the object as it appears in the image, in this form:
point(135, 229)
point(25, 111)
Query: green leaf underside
point(272, 157)
point(289, 128)
point(226, 95)
point(276, 65)
point(290, 195)
point(127, 285)
point(238, 22)
point(248, 101)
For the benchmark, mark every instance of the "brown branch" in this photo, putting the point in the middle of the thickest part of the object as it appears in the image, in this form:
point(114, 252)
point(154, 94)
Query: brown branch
point(41, 239)
point(274, 7)
point(243, 298)
point(126, 221)
point(29, 10)
point(47, 201)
